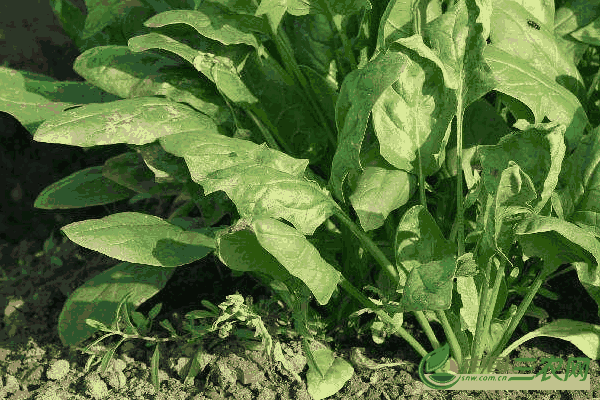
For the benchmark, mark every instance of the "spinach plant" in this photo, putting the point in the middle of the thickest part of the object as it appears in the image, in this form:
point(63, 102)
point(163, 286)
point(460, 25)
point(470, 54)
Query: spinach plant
point(324, 129)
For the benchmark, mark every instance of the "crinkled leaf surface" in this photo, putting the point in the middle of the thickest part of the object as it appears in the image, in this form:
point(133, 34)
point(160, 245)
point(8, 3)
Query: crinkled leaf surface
point(135, 121)
point(34, 98)
point(429, 286)
point(117, 70)
point(260, 181)
point(85, 188)
point(99, 298)
point(298, 256)
point(140, 238)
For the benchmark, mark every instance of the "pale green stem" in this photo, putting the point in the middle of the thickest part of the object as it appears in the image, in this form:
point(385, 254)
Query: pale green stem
point(454, 346)
point(398, 329)
point(368, 244)
point(521, 310)
point(420, 316)
point(477, 346)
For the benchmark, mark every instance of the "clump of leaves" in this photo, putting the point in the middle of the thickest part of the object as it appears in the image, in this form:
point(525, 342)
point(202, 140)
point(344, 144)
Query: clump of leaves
point(318, 147)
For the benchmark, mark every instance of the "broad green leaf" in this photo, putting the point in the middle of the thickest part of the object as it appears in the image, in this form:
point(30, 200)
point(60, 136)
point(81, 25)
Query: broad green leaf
point(360, 91)
point(455, 44)
point(117, 70)
point(542, 95)
point(129, 170)
point(99, 298)
point(429, 286)
point(214, 22)
point(337, 373)
point(585, 336)
point(241, 251)
point(411, 120)
point(315, 44)
point(298, 256)
point(85, 188)
point(419, 241)
point(140, 238)
point(223, 73)
point(580, 197)
point(514, 195)
point(580, 181)
point(557, 242)
point(535, 48)
point(380, 191)
point(397, 20)
point(135, 121)
point(260, 181)
point(33, 98)
point(165, 166)
point(275, 9)
point(158, 41)
point(469, 298)
point(221, 64)
point(538, 151)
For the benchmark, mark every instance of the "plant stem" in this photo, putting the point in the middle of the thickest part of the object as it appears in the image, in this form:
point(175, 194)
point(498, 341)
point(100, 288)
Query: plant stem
point(420, 316)
point(459, 178)
point(454, 346)
point(398, 329)
point(477, 346)
point(371, 247)
point(514, 321)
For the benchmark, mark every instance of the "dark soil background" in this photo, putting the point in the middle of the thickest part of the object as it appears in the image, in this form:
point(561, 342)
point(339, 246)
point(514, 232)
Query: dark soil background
point(35, 365)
